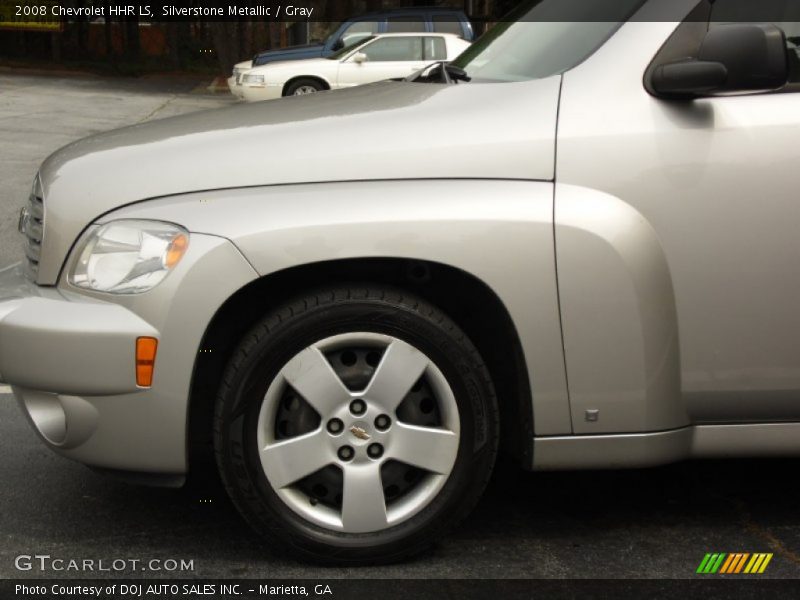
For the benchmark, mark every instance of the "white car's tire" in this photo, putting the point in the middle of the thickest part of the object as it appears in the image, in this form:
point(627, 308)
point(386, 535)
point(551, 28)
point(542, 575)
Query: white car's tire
point(303, 86)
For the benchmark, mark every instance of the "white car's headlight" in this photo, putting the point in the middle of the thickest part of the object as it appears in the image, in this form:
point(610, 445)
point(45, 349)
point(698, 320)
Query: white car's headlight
point(254, 80)
point(129, 257)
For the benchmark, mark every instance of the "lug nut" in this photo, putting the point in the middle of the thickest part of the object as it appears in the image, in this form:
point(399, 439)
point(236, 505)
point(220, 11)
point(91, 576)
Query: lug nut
point(346, 453)
point(335, 426)
point(358, 407)
point(382, 422)
point(375, 450)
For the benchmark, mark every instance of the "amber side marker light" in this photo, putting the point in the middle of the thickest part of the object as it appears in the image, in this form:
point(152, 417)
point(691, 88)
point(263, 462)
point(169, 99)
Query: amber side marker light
point(176, 250)
point(145, 360)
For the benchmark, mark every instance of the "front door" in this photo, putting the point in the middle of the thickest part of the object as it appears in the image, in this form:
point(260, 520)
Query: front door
point(384, 58)
point(718, 181)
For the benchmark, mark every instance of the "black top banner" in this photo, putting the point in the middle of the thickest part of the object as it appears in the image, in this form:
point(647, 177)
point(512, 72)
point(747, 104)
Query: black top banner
point(293, 11)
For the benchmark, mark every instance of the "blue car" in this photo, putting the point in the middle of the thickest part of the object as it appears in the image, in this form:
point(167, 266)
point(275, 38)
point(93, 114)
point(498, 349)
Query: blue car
point(423, 19)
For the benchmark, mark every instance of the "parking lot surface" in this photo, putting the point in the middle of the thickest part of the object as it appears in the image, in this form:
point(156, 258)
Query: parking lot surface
point(655, 523)
point(39, 114)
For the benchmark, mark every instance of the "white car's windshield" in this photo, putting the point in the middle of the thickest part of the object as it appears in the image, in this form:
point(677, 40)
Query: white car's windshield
point(543, 38)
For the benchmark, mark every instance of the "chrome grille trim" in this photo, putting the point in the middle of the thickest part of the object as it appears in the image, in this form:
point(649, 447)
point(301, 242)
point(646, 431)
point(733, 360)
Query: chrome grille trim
point(34, 234)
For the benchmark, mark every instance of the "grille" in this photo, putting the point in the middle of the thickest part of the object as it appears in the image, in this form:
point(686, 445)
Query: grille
point(237, 73)
point(32, 226)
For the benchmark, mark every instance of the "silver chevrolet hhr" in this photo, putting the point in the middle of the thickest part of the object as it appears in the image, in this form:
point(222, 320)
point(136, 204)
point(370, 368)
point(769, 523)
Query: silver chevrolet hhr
point(578, 243)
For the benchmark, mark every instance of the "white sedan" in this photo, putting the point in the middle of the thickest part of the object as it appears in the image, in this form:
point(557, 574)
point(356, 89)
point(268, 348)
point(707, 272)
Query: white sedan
point(375, 58)
point(235, 80)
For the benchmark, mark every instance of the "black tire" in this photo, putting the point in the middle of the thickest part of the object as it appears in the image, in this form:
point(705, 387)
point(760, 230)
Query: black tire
point(304, 82)
point(292, 327)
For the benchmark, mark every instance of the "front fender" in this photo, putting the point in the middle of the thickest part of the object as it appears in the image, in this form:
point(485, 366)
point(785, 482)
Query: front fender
point(501, 232)
point(619, 318)
point(286, 78)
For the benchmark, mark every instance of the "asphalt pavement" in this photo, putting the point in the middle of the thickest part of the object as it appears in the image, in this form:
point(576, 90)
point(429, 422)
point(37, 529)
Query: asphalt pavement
point(656, 523)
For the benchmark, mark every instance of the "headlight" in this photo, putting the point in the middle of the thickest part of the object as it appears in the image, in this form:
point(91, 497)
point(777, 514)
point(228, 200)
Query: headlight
point(129, 257)
point(254, 80)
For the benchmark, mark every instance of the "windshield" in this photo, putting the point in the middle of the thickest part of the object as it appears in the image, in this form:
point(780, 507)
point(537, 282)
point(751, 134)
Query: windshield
point(347, 49)
point(543, 38)
point(330, 32)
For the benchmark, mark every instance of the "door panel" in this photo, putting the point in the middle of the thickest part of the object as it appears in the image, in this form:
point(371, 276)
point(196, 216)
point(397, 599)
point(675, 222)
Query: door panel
point(351, 73)
point(717, 180)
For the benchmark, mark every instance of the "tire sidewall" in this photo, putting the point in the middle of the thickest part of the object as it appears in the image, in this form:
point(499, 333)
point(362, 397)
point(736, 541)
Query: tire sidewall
point(240, 463)
point(300, 83)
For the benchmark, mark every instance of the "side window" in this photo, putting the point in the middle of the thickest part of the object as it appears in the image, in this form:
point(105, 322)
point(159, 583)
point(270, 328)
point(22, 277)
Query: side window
point(394, 49)
point(447, 24)
point(409, 24)
point(435, 48)
point(725, 11)
point(792, 31)
point(356, 32)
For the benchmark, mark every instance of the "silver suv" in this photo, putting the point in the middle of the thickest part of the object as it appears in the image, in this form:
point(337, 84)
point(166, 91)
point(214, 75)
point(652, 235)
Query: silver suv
point(586, 256)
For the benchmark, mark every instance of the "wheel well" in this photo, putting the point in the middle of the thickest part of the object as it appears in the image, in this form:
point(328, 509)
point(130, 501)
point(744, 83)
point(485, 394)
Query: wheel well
point(289, 83)
point(466, 299)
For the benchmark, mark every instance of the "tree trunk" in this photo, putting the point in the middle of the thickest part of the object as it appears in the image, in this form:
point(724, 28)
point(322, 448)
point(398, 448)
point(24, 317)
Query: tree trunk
point(108, 34)
point(274, 35)
point(132, 44)
point(225, 38)
point(55, 47)
point(173, 45)
point(245, 40)
point(284, 37)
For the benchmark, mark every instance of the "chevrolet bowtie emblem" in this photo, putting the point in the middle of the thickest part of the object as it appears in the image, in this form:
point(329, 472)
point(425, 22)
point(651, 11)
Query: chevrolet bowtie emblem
point(359, 432)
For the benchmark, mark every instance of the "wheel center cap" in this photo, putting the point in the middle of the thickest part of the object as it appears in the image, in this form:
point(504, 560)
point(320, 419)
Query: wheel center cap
point(360, 432)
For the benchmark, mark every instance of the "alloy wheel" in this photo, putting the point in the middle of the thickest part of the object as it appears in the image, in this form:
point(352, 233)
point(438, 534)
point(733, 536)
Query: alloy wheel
point(358, 432)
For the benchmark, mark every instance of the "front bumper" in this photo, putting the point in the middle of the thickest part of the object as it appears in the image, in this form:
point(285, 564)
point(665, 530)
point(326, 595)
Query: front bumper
point(70, 359)
point(235, 88)
point(51, 344)
point(257, 94)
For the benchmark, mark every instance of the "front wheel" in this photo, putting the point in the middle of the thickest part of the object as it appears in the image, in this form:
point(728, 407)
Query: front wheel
point(301, 87)
point(356, 425)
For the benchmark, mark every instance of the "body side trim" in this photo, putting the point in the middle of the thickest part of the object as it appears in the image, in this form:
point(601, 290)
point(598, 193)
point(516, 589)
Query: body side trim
point(636, 450)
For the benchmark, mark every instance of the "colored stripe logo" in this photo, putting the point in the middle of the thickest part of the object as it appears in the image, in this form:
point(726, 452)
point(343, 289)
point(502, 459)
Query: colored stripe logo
point(734, 563)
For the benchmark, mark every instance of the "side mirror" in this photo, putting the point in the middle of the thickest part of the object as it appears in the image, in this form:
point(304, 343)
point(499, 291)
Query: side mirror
point(733, 58)
point(360, 57)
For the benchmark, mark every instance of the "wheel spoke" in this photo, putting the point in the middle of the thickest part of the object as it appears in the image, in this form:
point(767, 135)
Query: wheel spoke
point(310, 374)
point(288, 461)
point(400, 368)
point(424, 447)
point(363, 502)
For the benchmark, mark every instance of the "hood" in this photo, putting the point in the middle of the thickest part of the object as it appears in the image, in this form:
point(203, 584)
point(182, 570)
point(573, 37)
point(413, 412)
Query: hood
point(388, 130)
point(289, 53)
